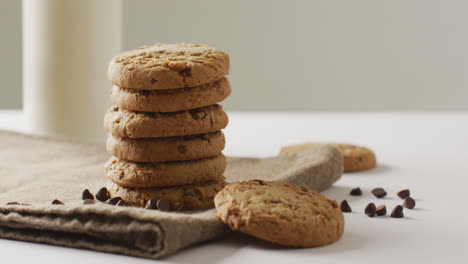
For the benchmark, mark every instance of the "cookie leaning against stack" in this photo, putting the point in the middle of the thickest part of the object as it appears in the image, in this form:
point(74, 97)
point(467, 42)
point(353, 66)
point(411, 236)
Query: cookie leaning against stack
point(165, 132)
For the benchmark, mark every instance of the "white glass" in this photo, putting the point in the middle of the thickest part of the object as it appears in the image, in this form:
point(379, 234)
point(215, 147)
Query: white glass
point(67, 45)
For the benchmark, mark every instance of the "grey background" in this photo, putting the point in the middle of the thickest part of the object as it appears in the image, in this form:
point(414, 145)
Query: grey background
point(301, 55)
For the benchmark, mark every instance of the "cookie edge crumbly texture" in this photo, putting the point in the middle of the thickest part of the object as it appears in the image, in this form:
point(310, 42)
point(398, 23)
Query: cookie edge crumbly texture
point(128, 124)
point(184, 197)
point(241, 216)
point(131, 69)
point(146, 175)
point(171, 100)
point(362, 158)
point(166, 149)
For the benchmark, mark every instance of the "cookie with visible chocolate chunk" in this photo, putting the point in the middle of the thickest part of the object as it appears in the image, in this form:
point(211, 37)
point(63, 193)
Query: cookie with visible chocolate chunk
point(121, 123)
point(166, 149)
point(171, 100)
point(280, 213)
point(168, 66)
point(156, 174)
point(355, 158)
point(184, 197)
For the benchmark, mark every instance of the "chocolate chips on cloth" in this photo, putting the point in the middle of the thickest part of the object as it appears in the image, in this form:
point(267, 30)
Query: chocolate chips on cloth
point(36, 171)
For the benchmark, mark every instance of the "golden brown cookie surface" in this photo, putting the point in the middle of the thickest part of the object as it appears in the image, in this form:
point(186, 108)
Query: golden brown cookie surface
point(184, 197)
point(168, 66)
point(121, 123)
point(171, 100)
point(166, 149)
point(355, 158)
point(156, 174)
point(280, 213)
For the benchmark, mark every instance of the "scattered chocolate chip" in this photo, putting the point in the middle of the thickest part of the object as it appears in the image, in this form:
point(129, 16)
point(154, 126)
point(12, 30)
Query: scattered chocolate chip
point(88, 201)
point(163, 204)
point(116, 109)
point(87, 195)
point(356, 192)
point(397, 212)
point(409, 203)
point(151, 204)
point(344, 206)
point(153, 80)
point(102, 195)
point(381, 210)
point(182, 149)
point(58, 202)
point(114, 200)
point(403, 193)
point(120, 203)
point(370, 210)
point(379, 192)
point(12, 203)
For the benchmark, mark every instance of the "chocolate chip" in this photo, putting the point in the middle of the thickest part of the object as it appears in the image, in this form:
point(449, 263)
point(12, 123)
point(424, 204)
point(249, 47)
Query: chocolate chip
point(379, 192)
point(403, 193)
point(57, 202)
point(370, 210)
point(114, 200)
point(153, 80)
point(88, 201)
point(120, 203)
point(409, 203)
point(344, 206)
point(116, 109)
point(182, 149)
point(163, 204)
point(397, 212)
point(185, 72)
point(356, 192)
point(102, 195)
point(12, 203)
point(151, 204)
point(87, 195)
point(381, 210)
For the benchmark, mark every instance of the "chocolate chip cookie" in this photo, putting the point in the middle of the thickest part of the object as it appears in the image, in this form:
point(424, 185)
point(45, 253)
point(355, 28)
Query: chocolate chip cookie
point(156, 174)
point(168, 66)
point(171, 100)
point(184, 197)
point(280, 213)
point(121, 123)
point(166, 149)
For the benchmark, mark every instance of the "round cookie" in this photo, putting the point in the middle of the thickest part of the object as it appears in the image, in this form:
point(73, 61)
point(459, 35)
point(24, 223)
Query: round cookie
point(168, 66)
point(184, 197)
point(280, 213)
point(144, 175)
point(171, 100)
point(355, 158)
point(121, 123)
point(166, 149)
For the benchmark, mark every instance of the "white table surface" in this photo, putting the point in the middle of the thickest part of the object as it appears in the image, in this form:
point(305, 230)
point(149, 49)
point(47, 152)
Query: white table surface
point(425, 152)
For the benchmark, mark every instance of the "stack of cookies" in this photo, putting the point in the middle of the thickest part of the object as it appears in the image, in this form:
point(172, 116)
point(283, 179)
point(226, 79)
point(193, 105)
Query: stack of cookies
point(165, 132)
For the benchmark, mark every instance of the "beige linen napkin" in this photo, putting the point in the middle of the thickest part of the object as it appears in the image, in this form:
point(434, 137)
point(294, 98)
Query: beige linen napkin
point(36, 170)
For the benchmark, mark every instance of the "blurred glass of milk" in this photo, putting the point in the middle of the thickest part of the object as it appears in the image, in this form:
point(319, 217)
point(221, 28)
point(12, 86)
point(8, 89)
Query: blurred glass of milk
point(67, 45)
